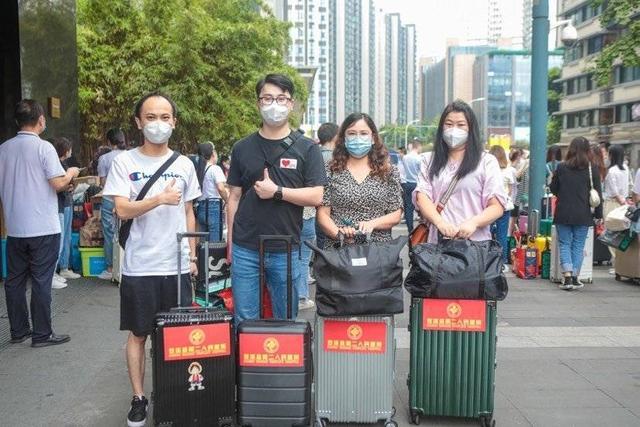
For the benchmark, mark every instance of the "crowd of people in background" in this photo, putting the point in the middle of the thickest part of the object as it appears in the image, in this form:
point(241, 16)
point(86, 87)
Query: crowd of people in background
point(344, 188)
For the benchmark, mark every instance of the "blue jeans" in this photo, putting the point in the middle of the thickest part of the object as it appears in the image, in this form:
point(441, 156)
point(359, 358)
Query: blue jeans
point(108, 229)
point(571, 239)
point(407, 191)
point(65, 237)
point(500, 231)
point(208, 213)
point(245, 277)
point(308, 233)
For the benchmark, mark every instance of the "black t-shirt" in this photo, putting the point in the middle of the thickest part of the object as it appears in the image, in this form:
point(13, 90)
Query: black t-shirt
point(299, 166)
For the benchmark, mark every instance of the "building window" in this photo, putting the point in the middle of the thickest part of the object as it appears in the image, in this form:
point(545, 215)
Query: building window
point(574, 53)
point(623, 112)
point(579, 85)
point(626, 74)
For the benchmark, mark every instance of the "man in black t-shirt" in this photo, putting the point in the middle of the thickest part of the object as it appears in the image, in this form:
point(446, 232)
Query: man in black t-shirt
point(274, 173)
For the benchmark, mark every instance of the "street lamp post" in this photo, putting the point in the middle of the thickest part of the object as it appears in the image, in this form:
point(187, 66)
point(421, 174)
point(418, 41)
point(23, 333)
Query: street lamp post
point(406, 131)
point(539, 86)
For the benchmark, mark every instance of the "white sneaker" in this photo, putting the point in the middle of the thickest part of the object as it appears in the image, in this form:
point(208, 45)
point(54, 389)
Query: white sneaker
point(612, 271)
point(305, 304)
point(68, 274)
point(105, 275)
point(59, 278)
point(56, 284)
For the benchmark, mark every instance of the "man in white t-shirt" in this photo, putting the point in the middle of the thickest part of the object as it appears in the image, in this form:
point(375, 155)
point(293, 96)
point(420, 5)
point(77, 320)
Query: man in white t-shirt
point(149, 270)
point(30, 176)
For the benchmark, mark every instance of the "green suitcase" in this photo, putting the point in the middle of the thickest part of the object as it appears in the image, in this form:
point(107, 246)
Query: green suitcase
point(452, 372)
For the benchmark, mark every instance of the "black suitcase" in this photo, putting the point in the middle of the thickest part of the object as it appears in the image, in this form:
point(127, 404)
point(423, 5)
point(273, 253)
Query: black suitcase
point(219, 276)
point(601, 254)
point(193, 355)
point(275, 367)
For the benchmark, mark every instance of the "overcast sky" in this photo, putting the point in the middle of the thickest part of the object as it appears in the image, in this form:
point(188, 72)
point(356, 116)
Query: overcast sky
point(437, 20)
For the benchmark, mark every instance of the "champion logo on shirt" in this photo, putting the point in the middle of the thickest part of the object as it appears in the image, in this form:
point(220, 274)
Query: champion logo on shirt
point(137, 176)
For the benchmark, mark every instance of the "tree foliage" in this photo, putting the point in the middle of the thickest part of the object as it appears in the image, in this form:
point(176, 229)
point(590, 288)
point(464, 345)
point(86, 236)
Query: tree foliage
point(620, 14)
point(393, 135)
point(206, 54)
point(554, 94)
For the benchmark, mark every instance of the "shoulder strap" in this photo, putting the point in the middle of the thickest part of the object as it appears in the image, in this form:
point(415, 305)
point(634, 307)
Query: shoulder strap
point(590, 176)
point(447, 194)
point(286, 144)
point(125, 227)
point(205, 174)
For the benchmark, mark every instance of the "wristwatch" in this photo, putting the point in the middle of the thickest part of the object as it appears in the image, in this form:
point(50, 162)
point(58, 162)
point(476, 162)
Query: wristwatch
point(278, 194)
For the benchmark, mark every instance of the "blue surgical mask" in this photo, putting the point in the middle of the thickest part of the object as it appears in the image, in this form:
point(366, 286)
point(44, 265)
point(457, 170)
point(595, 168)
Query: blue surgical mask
point(358, 146)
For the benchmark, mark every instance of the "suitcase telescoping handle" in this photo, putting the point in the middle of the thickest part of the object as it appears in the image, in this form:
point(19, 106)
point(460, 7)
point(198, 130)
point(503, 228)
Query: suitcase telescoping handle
point(204, 236)
point(263, 277)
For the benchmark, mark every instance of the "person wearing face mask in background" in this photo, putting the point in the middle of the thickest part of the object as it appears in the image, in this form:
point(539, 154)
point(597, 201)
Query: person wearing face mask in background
point(150, 268)
point(65, 212)
point(478, 198)
point(363, 191)
point(274, 173)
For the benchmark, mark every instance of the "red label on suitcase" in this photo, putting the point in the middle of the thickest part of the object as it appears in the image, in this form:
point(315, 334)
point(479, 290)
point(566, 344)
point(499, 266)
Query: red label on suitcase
point(355, 337)
point(197, 341)
point(272, 350)
point(454, 315)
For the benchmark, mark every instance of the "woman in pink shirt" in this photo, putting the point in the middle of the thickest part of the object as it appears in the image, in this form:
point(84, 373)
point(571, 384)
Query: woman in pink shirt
point(478, 198)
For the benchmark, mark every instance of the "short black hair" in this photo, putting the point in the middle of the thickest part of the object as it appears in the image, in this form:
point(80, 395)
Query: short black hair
point(62, 145)
point(27, 113)
point(280, 80)
point(326, 132)
point(138, 107)
point(115, 136)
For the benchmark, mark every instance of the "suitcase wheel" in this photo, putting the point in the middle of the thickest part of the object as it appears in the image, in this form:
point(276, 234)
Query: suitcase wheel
point(320, 422)
point(414, 417)
point(391, 423)
point(487, 421)
point(618, 277)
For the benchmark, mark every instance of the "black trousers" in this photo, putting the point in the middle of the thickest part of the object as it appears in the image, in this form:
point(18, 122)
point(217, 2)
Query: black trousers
point(32, 258)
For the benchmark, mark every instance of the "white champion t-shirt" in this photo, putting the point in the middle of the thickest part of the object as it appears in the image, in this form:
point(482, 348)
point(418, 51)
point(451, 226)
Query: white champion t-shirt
point(152, 247)
point(210, 182)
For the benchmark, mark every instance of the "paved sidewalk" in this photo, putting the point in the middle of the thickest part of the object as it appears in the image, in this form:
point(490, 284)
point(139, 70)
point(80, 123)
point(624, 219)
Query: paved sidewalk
point(564, 359)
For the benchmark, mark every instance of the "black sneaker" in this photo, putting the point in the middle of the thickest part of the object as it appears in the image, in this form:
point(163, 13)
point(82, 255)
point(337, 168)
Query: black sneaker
point(137, 416)
point(577, 284)
point(567, 284)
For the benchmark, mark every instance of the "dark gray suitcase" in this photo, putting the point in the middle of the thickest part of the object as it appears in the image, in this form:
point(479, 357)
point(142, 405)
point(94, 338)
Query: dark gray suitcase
point(275, 367)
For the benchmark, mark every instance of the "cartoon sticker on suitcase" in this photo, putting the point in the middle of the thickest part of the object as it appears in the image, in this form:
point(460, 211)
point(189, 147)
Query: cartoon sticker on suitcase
point(195, 378)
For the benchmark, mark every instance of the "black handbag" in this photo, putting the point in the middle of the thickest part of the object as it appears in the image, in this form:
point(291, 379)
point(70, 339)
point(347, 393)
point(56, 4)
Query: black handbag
point(457, 269)
point(361, 279)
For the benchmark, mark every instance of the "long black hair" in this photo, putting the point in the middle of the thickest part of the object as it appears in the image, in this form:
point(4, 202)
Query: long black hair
point(616, 157)
point(473, 149)
point(205, 151)
point(116, 137)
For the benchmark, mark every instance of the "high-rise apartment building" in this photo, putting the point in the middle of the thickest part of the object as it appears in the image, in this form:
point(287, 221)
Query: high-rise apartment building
point(352, 56)
point(309, 50)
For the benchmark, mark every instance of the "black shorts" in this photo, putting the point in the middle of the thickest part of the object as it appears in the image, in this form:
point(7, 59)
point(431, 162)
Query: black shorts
point(142, 297)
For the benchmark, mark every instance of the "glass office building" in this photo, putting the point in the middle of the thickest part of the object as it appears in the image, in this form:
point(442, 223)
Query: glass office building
point(502, 93)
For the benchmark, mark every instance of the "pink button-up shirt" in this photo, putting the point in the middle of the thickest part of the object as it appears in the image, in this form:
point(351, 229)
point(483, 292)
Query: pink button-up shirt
point(469, 198)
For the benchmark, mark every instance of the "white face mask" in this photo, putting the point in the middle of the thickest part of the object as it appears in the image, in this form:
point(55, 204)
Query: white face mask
point(275, 115)
point(157, 132)
point(455, 137)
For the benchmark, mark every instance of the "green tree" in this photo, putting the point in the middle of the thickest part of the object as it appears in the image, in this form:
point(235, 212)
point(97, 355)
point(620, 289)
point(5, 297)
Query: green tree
point(618, 14)
point(554, 94)
point(206, 54)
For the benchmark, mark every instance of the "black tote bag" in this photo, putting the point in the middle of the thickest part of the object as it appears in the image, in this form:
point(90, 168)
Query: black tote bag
point(363, 279)
point(458, 269)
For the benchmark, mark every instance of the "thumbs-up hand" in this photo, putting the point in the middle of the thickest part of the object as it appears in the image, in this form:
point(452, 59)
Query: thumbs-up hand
point(266, 188)
point(171, 195)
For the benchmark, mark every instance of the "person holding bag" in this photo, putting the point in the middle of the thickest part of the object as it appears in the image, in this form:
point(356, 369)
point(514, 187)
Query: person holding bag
point(459, 167)
point(616, 187)
point(363, 191)
point(576, 184)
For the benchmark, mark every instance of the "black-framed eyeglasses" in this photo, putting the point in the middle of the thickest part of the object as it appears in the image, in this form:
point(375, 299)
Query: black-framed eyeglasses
point(268, 99)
